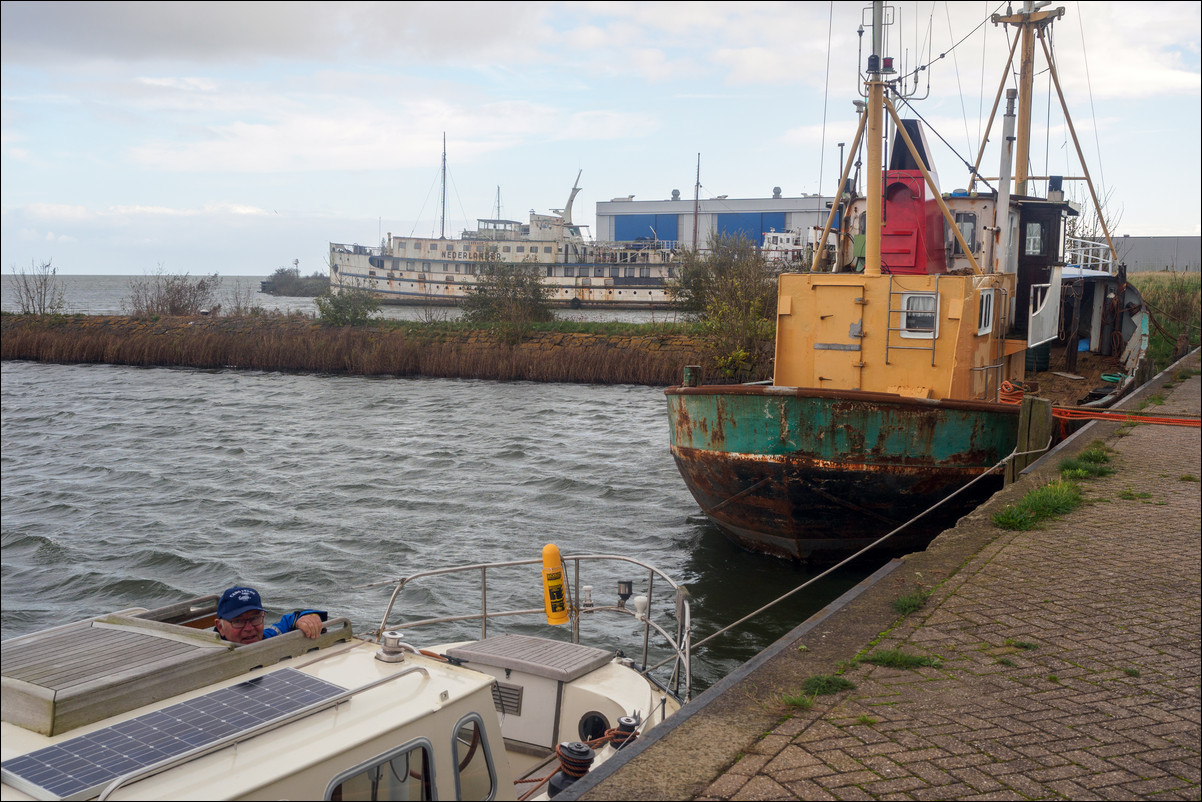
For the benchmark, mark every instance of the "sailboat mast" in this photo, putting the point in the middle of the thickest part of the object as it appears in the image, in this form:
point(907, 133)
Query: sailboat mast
point(442, 223)
point(875, 134)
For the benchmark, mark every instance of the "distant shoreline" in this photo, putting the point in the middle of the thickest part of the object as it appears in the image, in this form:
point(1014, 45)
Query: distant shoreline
point(295, 344)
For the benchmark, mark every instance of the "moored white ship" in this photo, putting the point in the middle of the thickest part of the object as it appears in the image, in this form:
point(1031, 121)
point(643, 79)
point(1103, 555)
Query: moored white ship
point(578, 272)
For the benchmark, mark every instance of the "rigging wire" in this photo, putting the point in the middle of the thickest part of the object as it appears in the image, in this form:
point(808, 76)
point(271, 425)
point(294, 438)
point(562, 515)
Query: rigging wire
point(981, 88)
point(1093, 113)
point(434, 183)
point(949, 145)
point(830, 23)
point(959, 88)
point(963, 39)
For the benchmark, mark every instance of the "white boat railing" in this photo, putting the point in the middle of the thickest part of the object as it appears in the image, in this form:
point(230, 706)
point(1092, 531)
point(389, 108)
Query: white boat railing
point(1089, 253)
point(580, 607)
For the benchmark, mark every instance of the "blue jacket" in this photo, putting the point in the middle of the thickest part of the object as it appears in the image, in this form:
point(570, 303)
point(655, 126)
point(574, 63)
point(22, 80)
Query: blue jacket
point(288, 623)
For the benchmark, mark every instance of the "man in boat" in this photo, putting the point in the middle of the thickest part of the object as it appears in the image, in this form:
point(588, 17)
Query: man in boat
point(240, 617)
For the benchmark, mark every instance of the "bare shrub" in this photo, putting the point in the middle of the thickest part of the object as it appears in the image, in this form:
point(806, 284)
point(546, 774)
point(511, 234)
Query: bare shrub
point(163, 293)
point(240, 301)
point(38, 290)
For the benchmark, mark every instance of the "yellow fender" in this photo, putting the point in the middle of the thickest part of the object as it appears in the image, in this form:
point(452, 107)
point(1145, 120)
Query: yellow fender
point(554, 596)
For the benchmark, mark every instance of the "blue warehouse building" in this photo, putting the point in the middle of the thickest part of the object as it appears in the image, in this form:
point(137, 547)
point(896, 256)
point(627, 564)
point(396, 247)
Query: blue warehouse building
point(675, 219)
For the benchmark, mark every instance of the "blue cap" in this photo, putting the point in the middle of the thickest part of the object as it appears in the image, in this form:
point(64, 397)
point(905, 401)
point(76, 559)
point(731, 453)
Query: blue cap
point(236, 601)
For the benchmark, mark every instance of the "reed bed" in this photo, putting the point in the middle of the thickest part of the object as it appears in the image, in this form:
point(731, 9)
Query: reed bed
point(303, 345)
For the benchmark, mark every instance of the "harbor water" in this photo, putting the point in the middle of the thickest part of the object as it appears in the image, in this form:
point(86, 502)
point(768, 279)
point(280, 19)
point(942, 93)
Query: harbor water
point(130, 487)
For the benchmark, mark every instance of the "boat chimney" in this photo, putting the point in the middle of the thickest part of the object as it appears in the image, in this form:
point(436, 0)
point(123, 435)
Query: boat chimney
point(676, 194)
point(776, 192)
point(1056, 188)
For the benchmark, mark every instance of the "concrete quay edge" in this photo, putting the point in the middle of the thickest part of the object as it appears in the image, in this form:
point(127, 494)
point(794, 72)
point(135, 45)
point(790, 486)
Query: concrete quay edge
point(686, 757)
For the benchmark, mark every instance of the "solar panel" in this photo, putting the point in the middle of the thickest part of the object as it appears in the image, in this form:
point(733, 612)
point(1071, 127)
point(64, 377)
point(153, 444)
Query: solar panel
point(81, 767)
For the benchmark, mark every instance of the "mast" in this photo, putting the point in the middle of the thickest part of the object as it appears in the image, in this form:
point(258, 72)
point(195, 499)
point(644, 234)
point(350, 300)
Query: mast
point(874, 133)
point(442, 221)
point(696, 203)
point(1029, 22)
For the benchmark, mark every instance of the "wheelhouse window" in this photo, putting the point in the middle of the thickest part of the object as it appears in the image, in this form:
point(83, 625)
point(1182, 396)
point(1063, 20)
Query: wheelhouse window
point(985, 312)
point(569, 272)
point(919, 315)
point(967, 223)
point(476, 778)
point(599, 272)
point(403, 774)
point(1033, 239)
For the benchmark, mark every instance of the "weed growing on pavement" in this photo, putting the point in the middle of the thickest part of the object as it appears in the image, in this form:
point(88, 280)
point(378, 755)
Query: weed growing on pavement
point(896, 658)
point(910, 602)
point(1131, 672)
point(1090, 463)
point(866, 720)
point(1189, 477)
point(825, 684)
point(1052, 500)
point(1132, 495)
point(1021, 644)
point(799, 701)
point(1006, 661)
point(1053, 678)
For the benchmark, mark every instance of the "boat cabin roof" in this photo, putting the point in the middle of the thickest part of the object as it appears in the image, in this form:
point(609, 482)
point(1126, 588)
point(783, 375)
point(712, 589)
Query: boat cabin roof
point(80, 673)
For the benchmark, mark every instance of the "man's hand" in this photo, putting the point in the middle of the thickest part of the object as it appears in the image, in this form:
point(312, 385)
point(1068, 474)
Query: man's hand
point(310, 624)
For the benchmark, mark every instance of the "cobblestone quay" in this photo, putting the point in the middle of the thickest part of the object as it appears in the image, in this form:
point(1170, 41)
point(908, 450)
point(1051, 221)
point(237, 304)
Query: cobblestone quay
point(1069, 660)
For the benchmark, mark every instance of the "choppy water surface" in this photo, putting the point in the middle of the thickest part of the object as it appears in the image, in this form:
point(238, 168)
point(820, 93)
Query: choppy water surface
point(131, 487)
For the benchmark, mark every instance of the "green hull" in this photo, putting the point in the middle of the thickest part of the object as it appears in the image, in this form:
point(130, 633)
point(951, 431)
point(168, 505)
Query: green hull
point(801, 473)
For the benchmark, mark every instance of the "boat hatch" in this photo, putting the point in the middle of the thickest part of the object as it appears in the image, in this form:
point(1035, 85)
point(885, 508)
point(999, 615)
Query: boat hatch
point(63, 678)
point(541, 657)
point(81, 767)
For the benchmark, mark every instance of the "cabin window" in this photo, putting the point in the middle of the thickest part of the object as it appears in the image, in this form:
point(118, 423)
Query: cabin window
point(425, 266)
point(919, 315)
point(550, 272)
point(505, 248)
point(522, 249)
point(614, 272)
point(645, 272)
point(476, 778)
point(671, 272)
point(1033, 240)
point(985, 312)
point(402, 774)
point(546, 249)
point(630, 272)
point(967, 223)
point(569, 272)
point(599, 272)
point(471, 269)
point(409, 264)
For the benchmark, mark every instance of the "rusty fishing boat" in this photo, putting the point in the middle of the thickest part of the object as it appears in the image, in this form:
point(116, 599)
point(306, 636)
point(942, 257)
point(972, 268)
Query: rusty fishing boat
point(897, 352)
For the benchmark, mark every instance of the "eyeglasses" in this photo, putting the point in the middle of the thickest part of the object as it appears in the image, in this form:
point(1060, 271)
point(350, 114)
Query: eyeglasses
point(247, 621)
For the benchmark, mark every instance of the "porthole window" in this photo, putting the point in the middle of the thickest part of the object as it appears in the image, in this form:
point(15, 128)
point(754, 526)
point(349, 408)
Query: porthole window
point(592, 725)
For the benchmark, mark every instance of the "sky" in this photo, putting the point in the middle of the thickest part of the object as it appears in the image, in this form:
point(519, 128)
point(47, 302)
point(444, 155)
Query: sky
point(235, 138)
